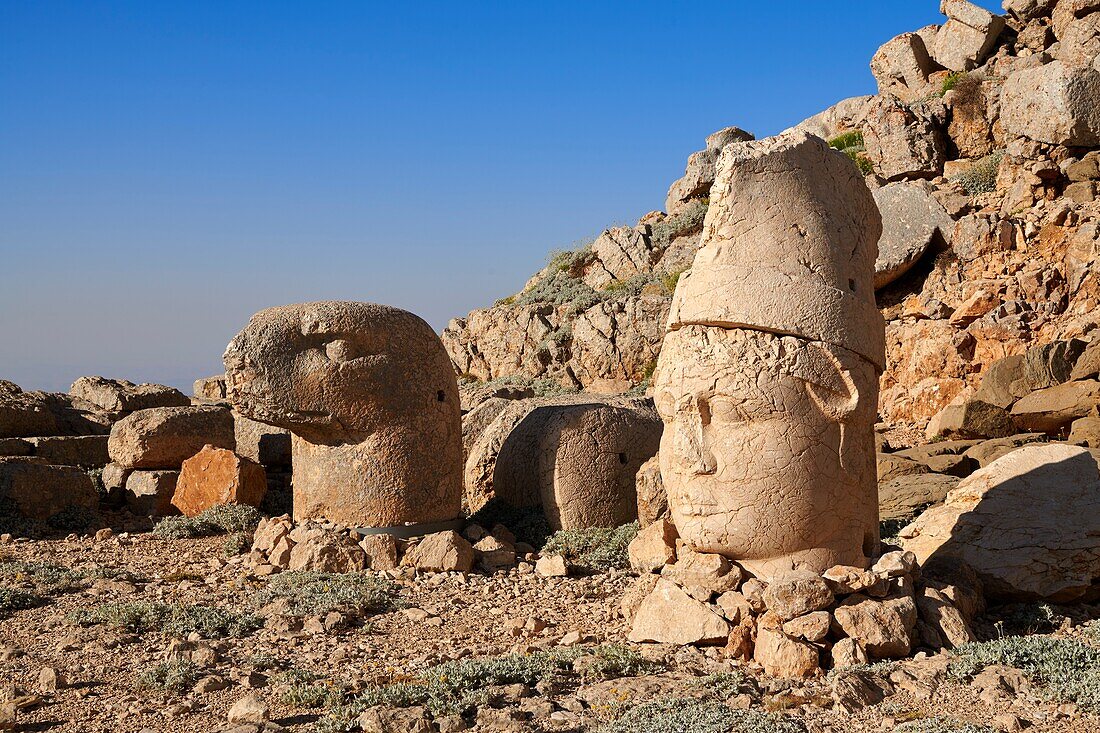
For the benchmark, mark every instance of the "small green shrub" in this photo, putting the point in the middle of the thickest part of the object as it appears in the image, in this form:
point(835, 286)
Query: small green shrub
point(1065, 669)
point(951, 81)
point(305, 689)
point(505, 301)
point(237, 543)
point(724, 685)
point(669, 279)
point(846, 140)
point(13, 599)
point(683, 715)
point(174, 619)
point(981, 176)
point(47, 579)
point(685, 221)
point(178, 676)
point(220, 519)
point(1022, 619)
point(310, 594)
point(595, 550)
point(612, 661)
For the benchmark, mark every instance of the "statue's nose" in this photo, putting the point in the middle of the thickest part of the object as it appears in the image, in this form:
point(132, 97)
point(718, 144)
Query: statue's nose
point(691, 441)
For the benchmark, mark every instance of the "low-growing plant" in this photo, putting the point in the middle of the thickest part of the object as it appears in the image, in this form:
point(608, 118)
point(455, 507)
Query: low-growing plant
point(981, 176)
point(951, 81)
point(47, 579)
point(724, 685)
point(596, 549)
point(1066, 670)
point(305, 689)
point(685, 221)
point(13, 599)
point(174, 619)
point(218, 519)
point(941, 725)
point(178, 675)
point(612, 661)
point(669, 279)
point(1021, 619)
point(308, 593)
point(846, 140)
point(237, 543)
point(687, 715)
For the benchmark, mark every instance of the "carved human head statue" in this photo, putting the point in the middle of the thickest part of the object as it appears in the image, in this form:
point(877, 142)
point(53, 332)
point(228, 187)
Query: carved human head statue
point(371, 399)
point(768, 376)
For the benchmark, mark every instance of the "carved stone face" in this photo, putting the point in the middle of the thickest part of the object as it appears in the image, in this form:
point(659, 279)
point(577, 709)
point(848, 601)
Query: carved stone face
point(768, 450)
point(335, 371)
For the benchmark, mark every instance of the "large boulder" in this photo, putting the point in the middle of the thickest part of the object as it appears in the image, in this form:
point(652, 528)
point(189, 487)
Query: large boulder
point(1053, 409)
point(576, 456)
point(912, 222)
point(901, 67)
point(967, 37)
point(904, 496)
point(164, 437)
point(905, 140)
point(149, 493)
point(699, 174)
point(1053, 103)
point(1028, 524)
point(265, 444)
point(31, 488)
point(668, 615)
point(89, 451)
point(119, 395)
point(35, 414)
point(216, 476)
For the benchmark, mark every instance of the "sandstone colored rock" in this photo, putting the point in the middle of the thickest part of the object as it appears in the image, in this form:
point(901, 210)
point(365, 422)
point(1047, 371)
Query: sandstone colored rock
point(699, 175)
point(990, 450)
point(216, 476)
point(936, 609)
point(967, 37)
point(37, 490)
point(847, 653)
point(652, 500)
point(372, 401)
point(653, 547)
point(782, 656)
point(264, 444)
point(575, 456)
point(149, 493)
point(552, 566)
point(1085, 431)
point(740, 401)
point(1053, 409)
point(697, 570)
point(904, 141)
point(812, 626)
point(1054, 104)
point(901, 66)
point(796, 593)
point(381, 551)
point(89, 451)
point(881, 626)
point(1027, 524)
point(210, 388)
point(442, 552)
point(322, 551)
point(903, 497)
point(912, 222)
point(668, 615)
point(971, 418)
point(164, 437)
point(119, 395)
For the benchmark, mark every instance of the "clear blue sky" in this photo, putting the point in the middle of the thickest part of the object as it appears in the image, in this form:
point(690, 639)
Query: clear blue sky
point(167, 169)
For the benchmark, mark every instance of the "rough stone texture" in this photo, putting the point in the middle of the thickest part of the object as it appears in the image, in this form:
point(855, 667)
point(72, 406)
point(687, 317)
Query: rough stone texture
point(652, 500)
point(937, 610)
point(848, 653)
point(1052, 409)
point(845, 115)
point(89, 451)
point(442, 552)
point(619, 253)
point(768, 453)
point(782, 656)
point(905, 141)
point(967, 37)
point(372, 401)
point(119, 395)
point(797, 593)
point(902, 497)
point(210, 388)
point(164, 437)
point(901, 67)
point(149, 493)
point(699, 174)
point(37, 490)
point(216, 476)
point(1085, 431)
point(698, 570)
point(1028, 524)
point(321, 551)
point(17, 447)
point(912, 222)
point(970, 418)
point(668, 615)
point(881, 626)
point(381, 551)
point(576, 456)
point(1053, 103)
point(990, 450)
point(265, 444)
point(34, 414)
point(653, 547)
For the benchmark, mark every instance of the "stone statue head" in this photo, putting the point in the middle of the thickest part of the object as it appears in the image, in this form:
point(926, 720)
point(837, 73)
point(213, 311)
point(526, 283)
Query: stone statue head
point(371, 399)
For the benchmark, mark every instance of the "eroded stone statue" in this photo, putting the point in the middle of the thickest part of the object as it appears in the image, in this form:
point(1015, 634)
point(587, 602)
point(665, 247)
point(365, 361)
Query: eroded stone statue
point(372, 403)
point(768, 376)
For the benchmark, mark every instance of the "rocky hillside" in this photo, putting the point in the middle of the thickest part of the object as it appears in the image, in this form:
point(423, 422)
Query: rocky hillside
point(981, 149)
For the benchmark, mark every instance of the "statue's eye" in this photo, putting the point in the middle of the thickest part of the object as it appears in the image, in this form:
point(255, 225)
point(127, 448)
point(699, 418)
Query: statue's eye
point(341, 350)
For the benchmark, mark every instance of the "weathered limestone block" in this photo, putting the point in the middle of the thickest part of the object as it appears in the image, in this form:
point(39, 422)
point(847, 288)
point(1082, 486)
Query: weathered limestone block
point(912, 223)
point(119, 395)
point(903, 496)
point(89, 451)
point(970, 418)
point(653, 547)
point(1053, 409)
point(1028, 524)
point(779, 654)
point(372, 401)
point(321, 551)
point(164, 437)
point(576, 456)
point(668, 615)
point(904, 140)
point(210, 388)
point(619, 254)
point(1053, 103)
point(901, 67)
point(215, 476)
point(768, 453)
point(796, 593)
point(845, 115)
point(149, 493)
point(967, 37)
point(265, 444)
point(442, 552)
point(37, 490)
point(652, 500)
point(881, 626)
point(700, 168)
point(1066, 12)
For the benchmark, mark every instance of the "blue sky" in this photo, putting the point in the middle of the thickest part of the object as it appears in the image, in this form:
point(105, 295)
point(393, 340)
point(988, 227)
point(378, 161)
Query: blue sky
point(167, 169)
